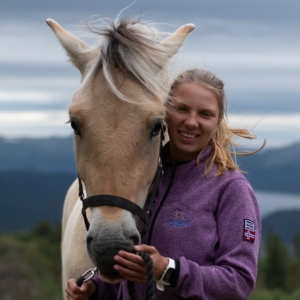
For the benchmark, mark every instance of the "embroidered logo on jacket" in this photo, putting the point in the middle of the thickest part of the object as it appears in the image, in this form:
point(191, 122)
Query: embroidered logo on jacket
point(249, 231)
point(178, 218)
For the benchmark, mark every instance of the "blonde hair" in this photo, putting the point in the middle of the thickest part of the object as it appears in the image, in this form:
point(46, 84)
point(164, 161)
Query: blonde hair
point(223, 152)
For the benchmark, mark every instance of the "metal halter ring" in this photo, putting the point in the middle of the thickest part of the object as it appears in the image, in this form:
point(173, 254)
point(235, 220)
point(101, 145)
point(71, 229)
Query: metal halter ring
point(91, 271)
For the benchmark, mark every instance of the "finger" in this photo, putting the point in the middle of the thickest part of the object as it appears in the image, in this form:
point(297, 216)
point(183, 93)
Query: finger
point(132, 270)
point(90, 287)
point(76, 296)
point(139, 268)
point(74, 288)
point(145, 248)
point(130, 257)
point(131, 274)
point(72, 296)
point(75, 292)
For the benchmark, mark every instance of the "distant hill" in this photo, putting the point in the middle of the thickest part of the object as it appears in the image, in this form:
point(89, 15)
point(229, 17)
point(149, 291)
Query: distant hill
point(285, 223)
point(28, 197)
point(276, 170)
point(49, 154)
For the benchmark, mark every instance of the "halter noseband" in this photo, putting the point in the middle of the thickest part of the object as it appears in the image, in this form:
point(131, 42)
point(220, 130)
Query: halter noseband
point(110, 200)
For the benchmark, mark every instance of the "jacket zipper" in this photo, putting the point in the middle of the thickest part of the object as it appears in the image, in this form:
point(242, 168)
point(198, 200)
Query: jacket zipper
point(173, 172)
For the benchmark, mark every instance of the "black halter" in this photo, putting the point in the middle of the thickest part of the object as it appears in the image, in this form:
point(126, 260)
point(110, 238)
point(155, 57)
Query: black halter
point(110, 200)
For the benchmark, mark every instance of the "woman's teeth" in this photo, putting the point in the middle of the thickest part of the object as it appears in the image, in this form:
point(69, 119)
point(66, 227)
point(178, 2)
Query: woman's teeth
point(188, 135)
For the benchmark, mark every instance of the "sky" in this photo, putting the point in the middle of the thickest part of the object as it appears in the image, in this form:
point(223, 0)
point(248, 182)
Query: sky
point(253, 46)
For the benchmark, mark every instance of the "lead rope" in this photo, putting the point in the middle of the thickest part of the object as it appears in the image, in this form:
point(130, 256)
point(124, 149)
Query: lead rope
point(150, 293)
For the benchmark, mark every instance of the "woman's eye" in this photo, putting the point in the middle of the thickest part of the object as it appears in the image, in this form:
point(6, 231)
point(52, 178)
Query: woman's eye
point(75, 128)
point(156, 129)
point(206, 114)
point(180, 108)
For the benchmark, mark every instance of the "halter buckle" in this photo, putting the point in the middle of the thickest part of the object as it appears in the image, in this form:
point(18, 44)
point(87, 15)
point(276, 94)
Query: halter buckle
point(91, 272)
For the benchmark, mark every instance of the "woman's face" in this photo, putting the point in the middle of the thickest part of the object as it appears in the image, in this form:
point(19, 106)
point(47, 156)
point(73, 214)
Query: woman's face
point(192, 121)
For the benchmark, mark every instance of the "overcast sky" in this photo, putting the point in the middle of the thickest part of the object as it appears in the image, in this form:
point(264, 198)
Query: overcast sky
point(253, 46)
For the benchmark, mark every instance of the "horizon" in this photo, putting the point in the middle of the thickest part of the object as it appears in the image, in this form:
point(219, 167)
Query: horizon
point(250, 145)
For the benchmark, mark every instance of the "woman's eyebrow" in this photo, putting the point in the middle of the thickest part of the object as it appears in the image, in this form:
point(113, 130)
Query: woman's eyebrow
point(182, 104)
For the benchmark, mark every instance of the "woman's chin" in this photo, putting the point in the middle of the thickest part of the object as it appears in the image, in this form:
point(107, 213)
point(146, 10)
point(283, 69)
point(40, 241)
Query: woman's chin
point(112, 279)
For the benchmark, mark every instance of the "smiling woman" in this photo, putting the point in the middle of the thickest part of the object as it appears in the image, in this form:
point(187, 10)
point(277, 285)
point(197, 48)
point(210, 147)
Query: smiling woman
point(192, 121)
point(198, 118)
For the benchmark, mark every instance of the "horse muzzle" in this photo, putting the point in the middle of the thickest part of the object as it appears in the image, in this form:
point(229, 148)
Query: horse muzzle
point(107, 242)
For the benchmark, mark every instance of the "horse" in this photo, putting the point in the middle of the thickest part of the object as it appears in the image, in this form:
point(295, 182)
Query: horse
point(117, 113)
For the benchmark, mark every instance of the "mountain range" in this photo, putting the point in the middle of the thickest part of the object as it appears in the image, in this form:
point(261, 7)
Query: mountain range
point(36, 173)
point(275, 170)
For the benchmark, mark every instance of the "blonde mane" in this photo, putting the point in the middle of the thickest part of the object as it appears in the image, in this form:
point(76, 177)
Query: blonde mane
point(134, 47)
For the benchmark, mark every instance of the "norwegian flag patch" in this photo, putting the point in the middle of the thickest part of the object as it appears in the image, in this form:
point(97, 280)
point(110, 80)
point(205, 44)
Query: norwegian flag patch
point(249, 231)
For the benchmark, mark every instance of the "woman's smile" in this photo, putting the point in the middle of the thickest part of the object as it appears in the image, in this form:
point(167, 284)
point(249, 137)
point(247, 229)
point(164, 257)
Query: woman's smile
point(192, 121)
point(189, 136)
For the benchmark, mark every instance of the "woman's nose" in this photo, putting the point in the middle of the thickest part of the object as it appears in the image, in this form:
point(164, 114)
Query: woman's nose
point(191, 121)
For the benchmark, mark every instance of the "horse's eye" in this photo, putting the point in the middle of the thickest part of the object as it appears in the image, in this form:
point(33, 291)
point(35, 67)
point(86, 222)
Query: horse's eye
point(156, 129)
point(75, 127)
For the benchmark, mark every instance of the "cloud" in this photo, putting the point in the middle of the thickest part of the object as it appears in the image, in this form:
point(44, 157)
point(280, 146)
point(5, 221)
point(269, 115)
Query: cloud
point(253, 46)
point(27, 96)
point(53, 123)
point(266, 122)
point(277, 129)
point(34, 124)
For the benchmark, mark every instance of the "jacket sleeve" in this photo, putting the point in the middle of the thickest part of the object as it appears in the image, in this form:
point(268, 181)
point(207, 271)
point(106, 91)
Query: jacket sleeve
point(233, 275)
point(104, 291)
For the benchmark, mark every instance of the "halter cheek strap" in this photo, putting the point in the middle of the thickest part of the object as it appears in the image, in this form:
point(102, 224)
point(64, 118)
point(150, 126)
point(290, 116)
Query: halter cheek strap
point(110, 200)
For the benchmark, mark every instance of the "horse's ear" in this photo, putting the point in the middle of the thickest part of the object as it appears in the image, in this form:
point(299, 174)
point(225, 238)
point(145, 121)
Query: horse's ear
point(78, 51)
point(173, 43)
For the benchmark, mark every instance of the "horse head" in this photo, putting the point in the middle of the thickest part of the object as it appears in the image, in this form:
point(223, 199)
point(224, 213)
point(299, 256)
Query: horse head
point(117, 114)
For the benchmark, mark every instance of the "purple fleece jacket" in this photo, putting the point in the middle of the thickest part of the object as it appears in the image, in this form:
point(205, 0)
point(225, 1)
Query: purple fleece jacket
point(211, 226)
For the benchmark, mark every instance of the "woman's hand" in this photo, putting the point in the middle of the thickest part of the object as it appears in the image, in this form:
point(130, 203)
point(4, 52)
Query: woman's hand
point(74, 292)
point(132, 266)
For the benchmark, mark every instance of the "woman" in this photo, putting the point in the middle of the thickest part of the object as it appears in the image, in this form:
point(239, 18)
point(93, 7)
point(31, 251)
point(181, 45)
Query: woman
point(205, 226)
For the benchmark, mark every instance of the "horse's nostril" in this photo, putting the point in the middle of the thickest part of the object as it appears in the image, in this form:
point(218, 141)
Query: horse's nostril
point(89, 241)
point(136, 239)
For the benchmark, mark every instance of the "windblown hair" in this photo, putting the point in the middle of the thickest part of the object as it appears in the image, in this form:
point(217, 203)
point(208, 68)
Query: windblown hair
point(223, 152)
point(134, 48)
